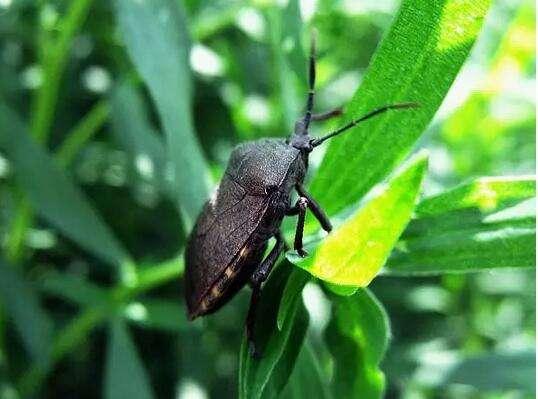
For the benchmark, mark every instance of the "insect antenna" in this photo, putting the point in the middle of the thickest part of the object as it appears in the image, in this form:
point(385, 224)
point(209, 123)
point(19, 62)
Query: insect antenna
point(311, 83)
point(317, 141)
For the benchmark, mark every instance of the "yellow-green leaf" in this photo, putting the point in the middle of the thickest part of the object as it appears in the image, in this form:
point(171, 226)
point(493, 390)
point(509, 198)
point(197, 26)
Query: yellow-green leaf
point(485, 193)
point(354, 253)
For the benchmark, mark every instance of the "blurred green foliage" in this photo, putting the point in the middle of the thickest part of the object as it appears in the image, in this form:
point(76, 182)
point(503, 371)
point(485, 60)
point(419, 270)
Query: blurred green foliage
point(117, 119)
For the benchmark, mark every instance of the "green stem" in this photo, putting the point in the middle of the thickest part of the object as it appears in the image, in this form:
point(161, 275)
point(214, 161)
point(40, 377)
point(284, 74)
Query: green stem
point(79, 328)
point(53, 55)
point(71, 335)
point(86, 128)
point(53, 67)
point(79, 135)
point(17, 230)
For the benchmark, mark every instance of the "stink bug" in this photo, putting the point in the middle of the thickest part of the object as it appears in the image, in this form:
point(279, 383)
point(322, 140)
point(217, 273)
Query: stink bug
point(226, 248)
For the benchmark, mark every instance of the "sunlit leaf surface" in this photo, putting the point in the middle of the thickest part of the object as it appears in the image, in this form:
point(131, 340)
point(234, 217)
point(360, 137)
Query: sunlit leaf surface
point(417, 61)
point(487, 194)
point(353, 253)
point(487, 224)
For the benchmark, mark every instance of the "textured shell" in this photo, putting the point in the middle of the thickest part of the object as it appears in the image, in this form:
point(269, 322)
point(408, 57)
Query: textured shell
point(238, 212)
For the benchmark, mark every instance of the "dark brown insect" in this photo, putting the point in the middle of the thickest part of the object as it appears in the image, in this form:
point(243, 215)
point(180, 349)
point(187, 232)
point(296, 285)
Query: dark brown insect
point(227, 245)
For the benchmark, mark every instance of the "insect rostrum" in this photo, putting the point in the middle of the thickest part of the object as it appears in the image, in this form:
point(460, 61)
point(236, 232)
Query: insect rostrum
point(226, 247)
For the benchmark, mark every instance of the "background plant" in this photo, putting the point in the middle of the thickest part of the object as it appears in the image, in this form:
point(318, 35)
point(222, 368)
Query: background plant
point(116, 120)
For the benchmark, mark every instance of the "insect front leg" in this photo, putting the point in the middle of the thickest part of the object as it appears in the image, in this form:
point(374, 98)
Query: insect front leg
point(318, 212)
point(258, 277)
point(306, 201)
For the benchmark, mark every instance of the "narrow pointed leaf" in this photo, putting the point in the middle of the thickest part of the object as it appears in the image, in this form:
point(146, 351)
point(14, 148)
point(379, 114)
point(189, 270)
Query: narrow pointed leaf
point(486, 193)
point(155, 34)
point(294, 287)
point(73, 289)
point(125, 374)
point(158, 314)
point(417, 61)
point(132, 129)
point(266, 377)
point(506, 371)
point(22, 305)
point(353, 253)
point(53, 194)
point(308, 379)
point(487, 224)
point(357, 337)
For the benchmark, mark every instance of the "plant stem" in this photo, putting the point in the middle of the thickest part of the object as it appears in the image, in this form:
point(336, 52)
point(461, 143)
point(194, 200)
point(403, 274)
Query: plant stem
point(53, 54)
point(79, 328)
point(54, 61)
point(86, 128)
point(70, 336)
point(17, 229)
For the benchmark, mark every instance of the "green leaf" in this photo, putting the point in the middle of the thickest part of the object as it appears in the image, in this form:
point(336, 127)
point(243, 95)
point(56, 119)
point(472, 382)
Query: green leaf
point(65, 341)
point(292, 29)
point(158, 314)
point(307, 379)
point(53, 194)
point(55, 56)
point(267, 376)
point(486, 193)
point(156, 38)
point(73, 289)
point(353, 253)
point(357, 337)
point(481, 141)
point(82, 132)
point(78, 329)
point(294, 287)
point(23, 307)
point(155, 274)
point(132, 128)
point(125, 374)
point(417, 61)
point(472, 227)
point(285, 25)
point(505, 371)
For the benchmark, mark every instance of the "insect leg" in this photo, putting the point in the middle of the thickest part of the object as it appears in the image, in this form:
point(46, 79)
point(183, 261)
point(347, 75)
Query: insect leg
point(327, 115)
point(315, 208)
point(293, 210)
point(262, 271)
point(258, 277)
point(302, 204)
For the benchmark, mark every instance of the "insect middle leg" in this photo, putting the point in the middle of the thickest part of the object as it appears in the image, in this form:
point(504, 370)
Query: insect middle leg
point(258, 277)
